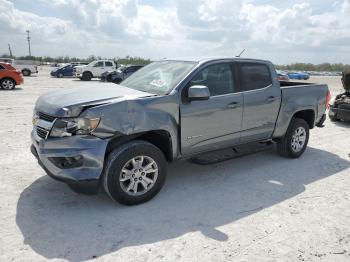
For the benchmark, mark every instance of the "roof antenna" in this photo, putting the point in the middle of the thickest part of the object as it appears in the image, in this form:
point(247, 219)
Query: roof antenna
point(240, 53)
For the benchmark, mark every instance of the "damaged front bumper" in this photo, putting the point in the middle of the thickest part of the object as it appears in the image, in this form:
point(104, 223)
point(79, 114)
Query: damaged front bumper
point(76, 160)
point(340, 113)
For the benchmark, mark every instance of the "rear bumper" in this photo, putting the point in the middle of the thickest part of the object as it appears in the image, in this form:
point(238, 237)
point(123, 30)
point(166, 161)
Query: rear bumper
point(343, 114)
point(57, 156)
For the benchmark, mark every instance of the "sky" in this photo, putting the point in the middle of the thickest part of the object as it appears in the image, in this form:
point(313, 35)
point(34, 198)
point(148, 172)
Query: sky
point(309, 31)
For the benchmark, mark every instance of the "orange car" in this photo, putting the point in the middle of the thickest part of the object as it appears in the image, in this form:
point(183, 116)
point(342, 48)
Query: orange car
point(9, 76)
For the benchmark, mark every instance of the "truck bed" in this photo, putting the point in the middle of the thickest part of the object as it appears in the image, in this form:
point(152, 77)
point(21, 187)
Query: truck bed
point(290, 83)
point(296, 96)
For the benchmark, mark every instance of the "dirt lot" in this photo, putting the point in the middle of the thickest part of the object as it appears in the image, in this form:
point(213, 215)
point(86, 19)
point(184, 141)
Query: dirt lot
point(258, 208)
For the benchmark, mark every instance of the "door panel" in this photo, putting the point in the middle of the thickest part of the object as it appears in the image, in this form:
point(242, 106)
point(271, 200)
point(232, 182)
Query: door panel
point(262, 98)
point(214, 123)
point(260, 113)
point(99, 68)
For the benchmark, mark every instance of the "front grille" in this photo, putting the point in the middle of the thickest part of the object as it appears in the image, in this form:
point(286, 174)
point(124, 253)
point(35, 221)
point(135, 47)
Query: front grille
point(41, 132)
point(46, 117)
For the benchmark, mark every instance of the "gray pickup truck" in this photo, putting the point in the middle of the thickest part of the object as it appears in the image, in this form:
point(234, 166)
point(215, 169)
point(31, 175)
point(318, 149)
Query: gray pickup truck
point(122, 136)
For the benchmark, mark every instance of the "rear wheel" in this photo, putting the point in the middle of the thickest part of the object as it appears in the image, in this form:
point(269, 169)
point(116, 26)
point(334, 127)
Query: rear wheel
point(134, 172)
point(294, 143)
point(86, 76)
point(7, 84)
point(26, 72)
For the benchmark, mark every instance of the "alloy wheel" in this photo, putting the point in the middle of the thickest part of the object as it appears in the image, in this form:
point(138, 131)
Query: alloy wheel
point(298, 139)
point(138, 175)
point(7, 84)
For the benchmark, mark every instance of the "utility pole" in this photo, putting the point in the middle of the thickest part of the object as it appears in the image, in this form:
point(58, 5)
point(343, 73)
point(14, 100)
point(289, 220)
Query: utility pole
point(28, 39)
point(10, 51)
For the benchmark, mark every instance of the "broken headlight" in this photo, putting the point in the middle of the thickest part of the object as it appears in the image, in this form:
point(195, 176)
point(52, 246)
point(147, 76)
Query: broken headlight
point(74, 126)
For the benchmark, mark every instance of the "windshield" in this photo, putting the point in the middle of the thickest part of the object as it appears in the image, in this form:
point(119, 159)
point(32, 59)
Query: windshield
point(64, 66)
point(92, 63)
point(159, 77)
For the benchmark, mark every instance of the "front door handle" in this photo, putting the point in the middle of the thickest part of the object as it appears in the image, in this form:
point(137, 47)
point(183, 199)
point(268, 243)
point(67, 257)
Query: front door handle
point(271, 99)
point(233, 105)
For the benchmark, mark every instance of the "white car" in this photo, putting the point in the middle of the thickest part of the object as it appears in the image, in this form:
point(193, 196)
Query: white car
point(27, 67)
point(94, 69)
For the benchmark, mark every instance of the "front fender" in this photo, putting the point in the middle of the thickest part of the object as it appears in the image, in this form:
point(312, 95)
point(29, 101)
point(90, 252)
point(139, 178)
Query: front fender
point(137, 116)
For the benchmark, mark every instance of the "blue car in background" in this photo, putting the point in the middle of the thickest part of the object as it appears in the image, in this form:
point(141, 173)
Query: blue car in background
point(63, 71)
point(299, 76)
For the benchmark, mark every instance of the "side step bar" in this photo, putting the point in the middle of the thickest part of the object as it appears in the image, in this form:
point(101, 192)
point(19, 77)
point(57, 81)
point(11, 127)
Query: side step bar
point(231, 153)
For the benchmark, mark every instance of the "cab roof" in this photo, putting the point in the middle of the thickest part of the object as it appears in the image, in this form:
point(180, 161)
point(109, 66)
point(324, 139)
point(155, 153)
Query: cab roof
point(202, 60)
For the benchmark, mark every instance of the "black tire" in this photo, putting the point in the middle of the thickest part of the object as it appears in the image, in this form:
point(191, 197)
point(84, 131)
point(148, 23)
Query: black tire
point(26, 72)
point(7, 83)
point(284, 146)
point(86, 76)
point(59, 75)
point(120, 157)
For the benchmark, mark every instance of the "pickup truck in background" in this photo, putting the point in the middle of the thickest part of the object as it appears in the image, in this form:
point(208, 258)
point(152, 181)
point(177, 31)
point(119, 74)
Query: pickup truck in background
point(27, 67)
point(94, 69)
point(122, 136)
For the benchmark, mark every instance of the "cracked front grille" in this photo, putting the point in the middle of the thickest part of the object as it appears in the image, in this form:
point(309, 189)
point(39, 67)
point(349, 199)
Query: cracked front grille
point(41, 132)
point(46, 117)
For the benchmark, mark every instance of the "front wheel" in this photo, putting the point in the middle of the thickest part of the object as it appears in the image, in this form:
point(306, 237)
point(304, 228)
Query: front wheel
point(294, 143)
point(86, 76)
point(8, 84)
point(134, 173)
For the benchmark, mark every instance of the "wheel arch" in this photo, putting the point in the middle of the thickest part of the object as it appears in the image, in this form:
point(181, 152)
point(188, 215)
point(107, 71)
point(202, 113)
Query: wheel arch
point(285, 117)
point(308, 115)
point(10, 78)
point(158, 138)
point(89, 72)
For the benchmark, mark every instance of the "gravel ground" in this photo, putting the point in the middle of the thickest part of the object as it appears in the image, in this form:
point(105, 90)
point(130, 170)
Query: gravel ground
point(261, 207)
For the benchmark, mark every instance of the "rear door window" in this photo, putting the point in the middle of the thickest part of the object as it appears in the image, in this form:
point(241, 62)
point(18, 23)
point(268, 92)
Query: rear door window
point(109, 63)
point(254, 76)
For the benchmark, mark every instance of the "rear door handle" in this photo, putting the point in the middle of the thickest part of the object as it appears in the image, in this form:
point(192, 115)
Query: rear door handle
point(271, 99)
point(233, 105)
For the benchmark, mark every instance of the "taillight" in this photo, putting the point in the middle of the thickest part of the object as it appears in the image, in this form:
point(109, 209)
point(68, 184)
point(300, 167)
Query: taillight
point(328, 98)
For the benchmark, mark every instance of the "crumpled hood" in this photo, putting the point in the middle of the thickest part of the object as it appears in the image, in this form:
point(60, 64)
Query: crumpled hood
point(70, 102)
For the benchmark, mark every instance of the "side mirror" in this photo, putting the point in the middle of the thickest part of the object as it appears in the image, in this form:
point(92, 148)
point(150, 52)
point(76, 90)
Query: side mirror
point(198, 93)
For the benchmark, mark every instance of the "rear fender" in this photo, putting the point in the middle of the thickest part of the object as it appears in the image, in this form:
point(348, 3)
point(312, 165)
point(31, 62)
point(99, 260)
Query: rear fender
point(285, 116)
